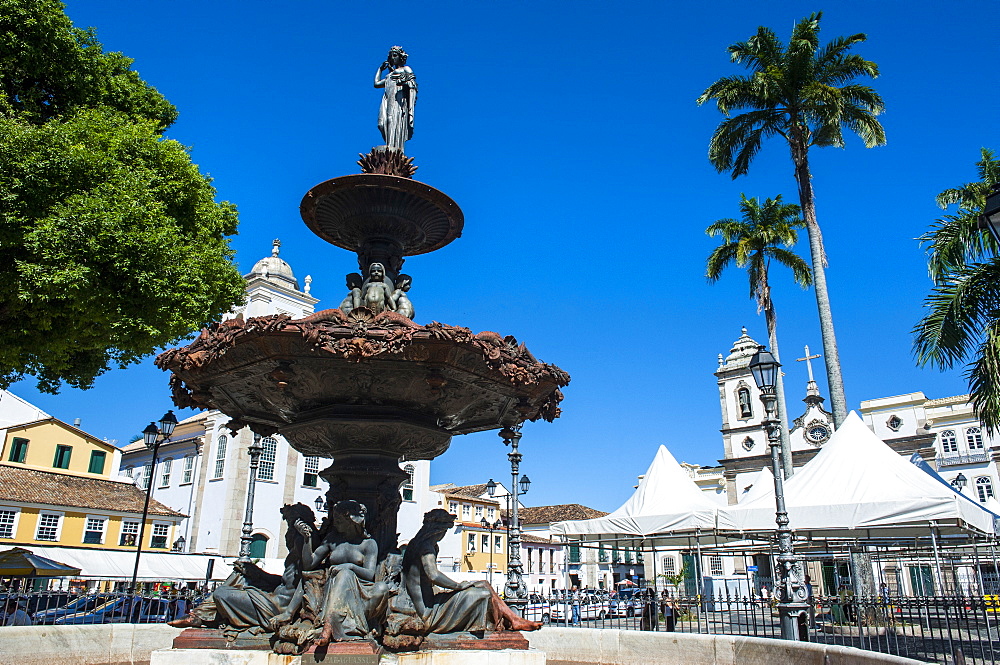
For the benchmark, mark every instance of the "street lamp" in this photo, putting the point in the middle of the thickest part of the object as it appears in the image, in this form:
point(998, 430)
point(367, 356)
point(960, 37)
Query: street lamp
point(515, 591)
point(152, 436)
point(255, 450)
point(990, 219)
point(959, 482)
point(179, 544)
point(791, 589)
point(320, 503)
point(496, 526)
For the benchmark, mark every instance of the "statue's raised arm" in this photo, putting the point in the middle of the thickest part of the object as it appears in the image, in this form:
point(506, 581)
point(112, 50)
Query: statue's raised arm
point(395, 115)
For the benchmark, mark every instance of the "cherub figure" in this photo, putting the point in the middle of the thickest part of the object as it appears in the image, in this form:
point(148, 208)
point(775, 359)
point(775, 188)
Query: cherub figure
point(403, 304)
point(353, 299)
point(377, 290)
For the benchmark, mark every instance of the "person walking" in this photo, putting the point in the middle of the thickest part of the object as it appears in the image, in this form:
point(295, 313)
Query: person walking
point(669, 609)
point(575, 600)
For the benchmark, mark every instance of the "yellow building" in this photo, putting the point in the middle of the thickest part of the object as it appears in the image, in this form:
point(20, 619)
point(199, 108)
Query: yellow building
point(56, 489)
point(479, 547)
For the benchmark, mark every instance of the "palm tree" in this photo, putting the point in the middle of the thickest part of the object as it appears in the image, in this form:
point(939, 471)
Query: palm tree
point(963, 318)
point(752, 243)
point(802, 92)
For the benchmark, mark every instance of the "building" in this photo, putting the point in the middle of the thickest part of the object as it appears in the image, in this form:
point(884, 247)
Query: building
point(58, 486)
point(203, 470)
point(583, 568)
point(470, 547)
point(945, 432)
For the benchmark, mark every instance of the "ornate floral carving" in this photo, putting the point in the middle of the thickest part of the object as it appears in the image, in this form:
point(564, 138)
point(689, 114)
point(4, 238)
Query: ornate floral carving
point(387, 162)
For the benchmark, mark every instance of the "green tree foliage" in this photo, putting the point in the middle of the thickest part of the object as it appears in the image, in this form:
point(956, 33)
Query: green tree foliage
point(752, 242)
point(113, 242)
point(962, 319)
point(804, 93)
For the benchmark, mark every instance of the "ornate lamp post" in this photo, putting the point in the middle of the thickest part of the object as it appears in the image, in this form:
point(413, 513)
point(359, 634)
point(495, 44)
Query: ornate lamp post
point(515, 591)
point(320, 504)
point(791, 589)
point(152, 436)
point(959, 482)
point(255, 450)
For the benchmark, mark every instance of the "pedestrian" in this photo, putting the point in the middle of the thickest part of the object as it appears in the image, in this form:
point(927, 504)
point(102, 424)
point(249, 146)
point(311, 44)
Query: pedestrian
point(669, 609)
point(811, 601)
point(14, 614)
point(575, 600)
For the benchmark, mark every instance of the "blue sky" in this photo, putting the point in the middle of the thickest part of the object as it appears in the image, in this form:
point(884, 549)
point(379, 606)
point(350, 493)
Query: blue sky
point(569, 135)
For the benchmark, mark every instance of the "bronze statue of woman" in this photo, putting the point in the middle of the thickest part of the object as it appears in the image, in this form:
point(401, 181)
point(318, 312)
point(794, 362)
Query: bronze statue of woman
point(395, 115)
point(354, 603)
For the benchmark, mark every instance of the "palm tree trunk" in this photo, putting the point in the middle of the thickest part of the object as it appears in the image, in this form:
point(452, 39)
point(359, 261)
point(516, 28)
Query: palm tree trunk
point(771, 318)
point(835, 380)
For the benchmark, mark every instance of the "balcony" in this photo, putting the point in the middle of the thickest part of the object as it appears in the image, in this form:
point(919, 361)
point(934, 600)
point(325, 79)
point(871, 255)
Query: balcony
point(954, 459)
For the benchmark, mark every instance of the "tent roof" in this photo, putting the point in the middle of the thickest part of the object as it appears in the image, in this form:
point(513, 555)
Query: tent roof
point(857, 482)
point(666, 503)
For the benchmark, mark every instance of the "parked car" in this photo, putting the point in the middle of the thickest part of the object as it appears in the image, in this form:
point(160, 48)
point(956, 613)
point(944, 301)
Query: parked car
point(75, 606)
point(124, 609)
point(537, 609)
point(625, 603)
point(590, 608)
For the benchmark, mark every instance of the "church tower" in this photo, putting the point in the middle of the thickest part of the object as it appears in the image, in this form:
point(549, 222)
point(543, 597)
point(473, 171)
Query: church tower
point(273, 289)
point(745, 445)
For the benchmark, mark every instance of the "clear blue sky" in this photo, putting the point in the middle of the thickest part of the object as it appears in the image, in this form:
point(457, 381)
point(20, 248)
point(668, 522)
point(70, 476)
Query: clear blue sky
point(569, 135)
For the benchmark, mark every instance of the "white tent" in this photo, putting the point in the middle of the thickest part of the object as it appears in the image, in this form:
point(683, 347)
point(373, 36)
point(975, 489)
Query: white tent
point(666, 508)
point(759, 484)
point(858, 487)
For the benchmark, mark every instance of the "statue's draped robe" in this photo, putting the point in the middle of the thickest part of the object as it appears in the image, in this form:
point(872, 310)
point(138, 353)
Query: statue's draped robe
point(395, 115)
point(358, 606)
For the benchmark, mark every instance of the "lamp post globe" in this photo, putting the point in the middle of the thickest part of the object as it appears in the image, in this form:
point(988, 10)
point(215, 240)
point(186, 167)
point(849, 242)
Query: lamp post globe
point(491, 488)
point(525, 483)
point(764, 368)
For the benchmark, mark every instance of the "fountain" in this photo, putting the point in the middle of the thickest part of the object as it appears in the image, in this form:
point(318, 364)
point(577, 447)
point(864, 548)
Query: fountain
point(367, 386)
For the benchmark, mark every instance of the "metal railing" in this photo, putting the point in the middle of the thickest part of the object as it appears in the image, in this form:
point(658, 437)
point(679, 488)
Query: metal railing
point(66, 608)
point(939, 629)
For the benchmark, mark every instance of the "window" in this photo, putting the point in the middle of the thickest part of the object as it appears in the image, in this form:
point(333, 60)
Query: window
point(949, 443)
point(974, 437)
point(574, 554)
point(531, 562)
point(479, 513)
point(485, 543)
point(743, 396)
point(471, 543)
point(453, 507)
point(18, 449)
point(48, 526)
point(497, 544)
point(63, 453)
point(97, 460)
point(602, 555)
point(160, 533)
point(220, 456)
point(147, 474)
point(408, 485)
point(984, 486)
point(491, 514)
point(669, 565)
point(128, 471)
point(616, 555)
point(130, 531)
point(165, 467)
point(466, 512)
point(93, 532)
point(894, 423)
point(748, 443)
point(187, 475)
point(310, 476)
point(8, 522)
point(715, 565)
point(268, 455)
point(258, 546)
point(628, 556)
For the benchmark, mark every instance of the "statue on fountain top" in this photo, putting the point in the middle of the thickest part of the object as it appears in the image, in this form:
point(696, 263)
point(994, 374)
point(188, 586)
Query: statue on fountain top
point(395, 115)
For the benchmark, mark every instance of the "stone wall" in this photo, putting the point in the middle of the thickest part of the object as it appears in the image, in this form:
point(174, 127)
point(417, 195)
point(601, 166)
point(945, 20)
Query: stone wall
point(110, 644)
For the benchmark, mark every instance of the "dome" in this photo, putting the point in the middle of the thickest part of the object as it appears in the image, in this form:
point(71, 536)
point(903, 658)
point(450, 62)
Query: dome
point(274, 269)
point(743, 349)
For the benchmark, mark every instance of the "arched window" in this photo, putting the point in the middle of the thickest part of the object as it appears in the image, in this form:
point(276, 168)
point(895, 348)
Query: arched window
point(258, 546)
point(268, 455)
point(220, 456)
point(984, 487)
point(974, 437)
point(949, 443)
point(746, 410)
point(408, 485)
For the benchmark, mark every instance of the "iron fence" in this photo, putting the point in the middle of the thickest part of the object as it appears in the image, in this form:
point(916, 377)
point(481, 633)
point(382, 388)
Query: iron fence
point(938, 629)
point(63, 608)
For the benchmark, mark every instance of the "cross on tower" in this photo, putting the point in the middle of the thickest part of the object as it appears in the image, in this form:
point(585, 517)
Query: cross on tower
point(808, 360)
